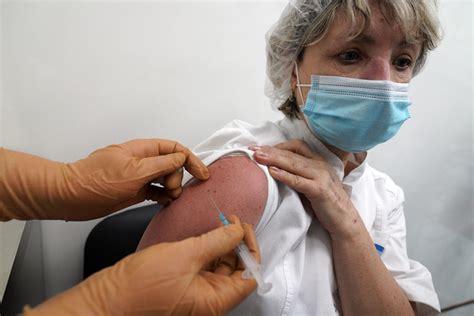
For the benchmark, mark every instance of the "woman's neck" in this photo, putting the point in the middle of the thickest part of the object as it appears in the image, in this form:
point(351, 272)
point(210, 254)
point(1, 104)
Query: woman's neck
point(349, 160)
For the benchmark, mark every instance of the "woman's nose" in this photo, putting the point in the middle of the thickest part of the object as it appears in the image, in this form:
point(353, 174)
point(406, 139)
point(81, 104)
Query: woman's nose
point(378, 69)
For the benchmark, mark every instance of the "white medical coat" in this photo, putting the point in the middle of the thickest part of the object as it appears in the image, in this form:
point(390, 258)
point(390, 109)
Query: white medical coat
point(296, 250)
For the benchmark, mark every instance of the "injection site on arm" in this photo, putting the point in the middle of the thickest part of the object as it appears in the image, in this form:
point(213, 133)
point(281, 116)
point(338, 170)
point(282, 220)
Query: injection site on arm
point(252, 267)
point(236, 184)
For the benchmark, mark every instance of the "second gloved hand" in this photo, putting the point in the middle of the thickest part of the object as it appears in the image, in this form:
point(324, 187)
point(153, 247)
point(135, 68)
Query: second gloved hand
point(196, 276)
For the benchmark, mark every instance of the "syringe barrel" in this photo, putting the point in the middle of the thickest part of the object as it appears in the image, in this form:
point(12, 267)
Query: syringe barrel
point(247, 258)
point(252, 268)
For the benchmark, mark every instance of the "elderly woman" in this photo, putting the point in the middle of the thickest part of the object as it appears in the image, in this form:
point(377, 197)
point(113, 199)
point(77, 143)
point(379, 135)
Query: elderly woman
point(330, 227)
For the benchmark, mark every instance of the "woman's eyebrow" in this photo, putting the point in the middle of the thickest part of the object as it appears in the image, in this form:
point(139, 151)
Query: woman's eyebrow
point(367, 39)
point(415, 48)
point(405, 44)
point(361, 38)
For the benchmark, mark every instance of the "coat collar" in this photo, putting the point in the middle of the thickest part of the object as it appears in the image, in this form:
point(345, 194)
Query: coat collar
point(297, 129)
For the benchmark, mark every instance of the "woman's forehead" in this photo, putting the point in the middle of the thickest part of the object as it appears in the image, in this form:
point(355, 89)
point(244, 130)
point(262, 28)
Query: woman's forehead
point(369, 31)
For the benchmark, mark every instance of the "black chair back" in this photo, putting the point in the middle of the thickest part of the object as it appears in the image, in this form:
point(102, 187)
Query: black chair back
point(115, 237)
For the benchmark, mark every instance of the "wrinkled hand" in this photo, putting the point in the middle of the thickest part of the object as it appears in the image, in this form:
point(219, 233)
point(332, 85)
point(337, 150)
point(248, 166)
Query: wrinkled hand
point(294, 164)
point(108, 180)
point(179, 278)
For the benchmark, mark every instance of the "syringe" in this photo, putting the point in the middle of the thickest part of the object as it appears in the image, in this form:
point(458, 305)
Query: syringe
point(252, 268)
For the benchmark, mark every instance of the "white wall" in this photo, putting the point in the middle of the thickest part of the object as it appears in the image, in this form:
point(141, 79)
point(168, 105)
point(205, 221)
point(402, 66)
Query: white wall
point(81, 75)
point(2, 278)
point(26, 280)
point(1, 78)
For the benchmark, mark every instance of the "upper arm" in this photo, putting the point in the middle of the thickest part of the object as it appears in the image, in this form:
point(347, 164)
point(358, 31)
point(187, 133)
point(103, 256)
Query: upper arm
point(236, 184)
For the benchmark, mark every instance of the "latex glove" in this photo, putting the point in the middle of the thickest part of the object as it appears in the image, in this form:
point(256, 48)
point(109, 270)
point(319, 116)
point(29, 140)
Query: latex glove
point(176, 278)
point(108, 180)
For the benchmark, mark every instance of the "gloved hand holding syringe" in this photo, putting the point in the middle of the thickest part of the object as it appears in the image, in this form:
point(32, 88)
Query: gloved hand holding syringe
point(252, 268)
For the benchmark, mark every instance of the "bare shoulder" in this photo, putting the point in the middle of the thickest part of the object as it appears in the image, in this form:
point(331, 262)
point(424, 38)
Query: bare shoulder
point(236, 184)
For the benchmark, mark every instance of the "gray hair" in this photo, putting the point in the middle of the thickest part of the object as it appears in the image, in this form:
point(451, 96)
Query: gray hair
point(304, 22)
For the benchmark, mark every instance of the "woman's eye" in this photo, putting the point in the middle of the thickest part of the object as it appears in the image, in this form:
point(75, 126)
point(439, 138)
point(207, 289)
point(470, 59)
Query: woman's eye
point(349, 57)
point(403, 63)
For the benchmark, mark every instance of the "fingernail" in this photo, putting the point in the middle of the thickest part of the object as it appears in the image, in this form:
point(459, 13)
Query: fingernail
point(274, 169)
point(261, 154)
point(255, 147)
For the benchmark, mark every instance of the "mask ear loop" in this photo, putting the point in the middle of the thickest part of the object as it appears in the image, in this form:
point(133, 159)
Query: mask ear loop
point(305, 119)
point(299, 85)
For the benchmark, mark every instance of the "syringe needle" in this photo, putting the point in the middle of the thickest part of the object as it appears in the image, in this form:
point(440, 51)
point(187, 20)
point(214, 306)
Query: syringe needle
point(252, 268)
point(215, 205)
point(222, 217)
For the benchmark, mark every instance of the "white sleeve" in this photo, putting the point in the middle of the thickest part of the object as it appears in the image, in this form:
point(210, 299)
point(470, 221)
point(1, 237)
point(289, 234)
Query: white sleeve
point(414, 279)
point(239, 134)
point(234, 139)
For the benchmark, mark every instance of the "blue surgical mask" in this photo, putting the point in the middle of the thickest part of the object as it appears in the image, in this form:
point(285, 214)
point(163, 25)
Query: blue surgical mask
point(354, 114)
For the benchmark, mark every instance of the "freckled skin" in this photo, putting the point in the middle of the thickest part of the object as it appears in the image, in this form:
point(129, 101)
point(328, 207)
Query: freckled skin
point(236, 184)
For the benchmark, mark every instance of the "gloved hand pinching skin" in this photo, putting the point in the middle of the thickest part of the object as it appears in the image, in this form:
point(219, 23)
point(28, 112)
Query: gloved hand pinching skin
point(196, 276)
point(108, 180)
